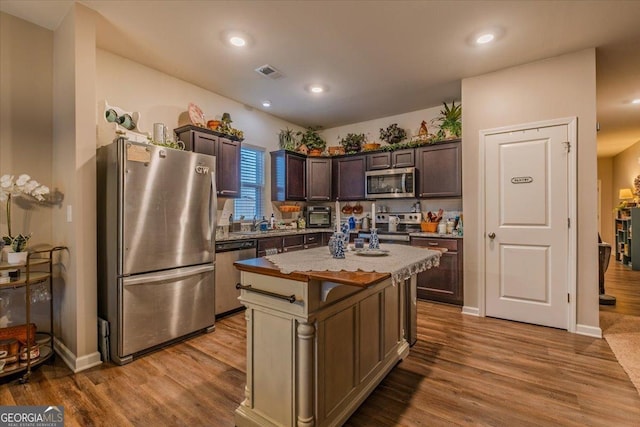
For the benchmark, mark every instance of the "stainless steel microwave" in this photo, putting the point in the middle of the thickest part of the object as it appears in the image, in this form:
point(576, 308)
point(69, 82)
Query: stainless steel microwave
point(318, 217)
point(390, 183)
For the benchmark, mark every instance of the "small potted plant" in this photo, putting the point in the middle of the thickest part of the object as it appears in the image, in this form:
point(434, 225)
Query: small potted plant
point(450, 121)
point(10, 188)
point(287, 139)
point(353, 142)
point(393, 134)
point(313, 141)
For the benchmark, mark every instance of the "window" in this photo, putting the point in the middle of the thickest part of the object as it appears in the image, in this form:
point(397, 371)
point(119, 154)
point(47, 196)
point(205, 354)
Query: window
point(251, 201)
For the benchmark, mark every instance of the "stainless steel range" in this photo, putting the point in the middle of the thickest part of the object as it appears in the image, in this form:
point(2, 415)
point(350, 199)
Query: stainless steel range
point(407, 222)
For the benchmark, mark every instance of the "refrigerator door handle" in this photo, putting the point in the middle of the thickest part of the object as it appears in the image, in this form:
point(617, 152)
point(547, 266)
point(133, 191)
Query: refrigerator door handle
point(167, 275)
point(213, 210)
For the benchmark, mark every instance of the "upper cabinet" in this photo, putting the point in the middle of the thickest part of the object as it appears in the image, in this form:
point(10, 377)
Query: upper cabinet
point(288, 176)
point(318, 179)
point(440, 170)
point(348, 177)
point(391, 159)
point(226, 150)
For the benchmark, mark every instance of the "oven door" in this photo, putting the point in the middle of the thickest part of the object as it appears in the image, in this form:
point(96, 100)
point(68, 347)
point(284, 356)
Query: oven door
point(320, 219)
point(390, 183)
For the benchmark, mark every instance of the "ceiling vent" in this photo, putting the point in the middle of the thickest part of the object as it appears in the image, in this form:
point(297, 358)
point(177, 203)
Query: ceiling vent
point(269, 71)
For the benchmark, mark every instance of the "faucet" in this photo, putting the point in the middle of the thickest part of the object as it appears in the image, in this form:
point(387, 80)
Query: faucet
point(257, 223)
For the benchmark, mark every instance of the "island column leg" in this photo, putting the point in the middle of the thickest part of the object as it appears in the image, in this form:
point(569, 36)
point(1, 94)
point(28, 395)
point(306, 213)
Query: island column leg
point(247, 388)
point(306, 336)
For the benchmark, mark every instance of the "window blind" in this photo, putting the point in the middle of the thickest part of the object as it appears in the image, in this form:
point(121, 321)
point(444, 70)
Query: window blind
point(251, 201)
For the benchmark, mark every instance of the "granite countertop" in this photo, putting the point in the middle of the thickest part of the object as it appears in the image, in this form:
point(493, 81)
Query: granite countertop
point(291, 232)
point(244, 235)
point(436, 235)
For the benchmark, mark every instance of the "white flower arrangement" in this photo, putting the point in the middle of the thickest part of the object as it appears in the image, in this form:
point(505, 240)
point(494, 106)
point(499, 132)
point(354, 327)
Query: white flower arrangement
point(24, 186)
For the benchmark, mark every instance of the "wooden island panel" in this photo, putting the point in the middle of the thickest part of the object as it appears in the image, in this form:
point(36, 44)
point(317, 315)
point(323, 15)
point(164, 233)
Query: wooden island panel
point(314, 361)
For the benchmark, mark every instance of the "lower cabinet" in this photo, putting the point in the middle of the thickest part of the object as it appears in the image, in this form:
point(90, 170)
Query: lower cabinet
point(269, 243)
point(291, 243)
point(312, 240)
point(443, 284)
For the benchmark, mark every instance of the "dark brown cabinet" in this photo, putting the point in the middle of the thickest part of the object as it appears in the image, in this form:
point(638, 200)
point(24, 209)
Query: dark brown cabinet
point(391, 159)
point(312, 240)
point(318, 179)
point(293, 243)
point(296, 242)
point(288, 176)
point(443, 283)
point(269, 243)
point(226, 150)
point(348, 177)
point(440, 170)
point(228, 167)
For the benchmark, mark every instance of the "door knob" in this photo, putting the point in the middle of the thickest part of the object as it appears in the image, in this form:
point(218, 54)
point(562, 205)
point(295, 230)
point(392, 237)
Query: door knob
point(492, 236)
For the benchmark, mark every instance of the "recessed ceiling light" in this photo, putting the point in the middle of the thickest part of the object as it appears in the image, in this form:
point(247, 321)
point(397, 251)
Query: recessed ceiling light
point(485, 38)
point(237, 41)
point(316, 89)
point(636, 101)
point(266, 103)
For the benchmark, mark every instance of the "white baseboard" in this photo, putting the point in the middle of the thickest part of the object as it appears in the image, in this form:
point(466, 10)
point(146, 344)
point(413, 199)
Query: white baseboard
point(471, 311)
point(76, 364)
point(590, 331)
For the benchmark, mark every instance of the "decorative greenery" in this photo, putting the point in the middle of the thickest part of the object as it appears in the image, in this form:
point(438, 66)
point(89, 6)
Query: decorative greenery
point(450, 121)
point(393, 134)
point(352, 143)
point(18, 243)
point(288, 140)
point(24, 186)
point(226, 128)
point(312, 139)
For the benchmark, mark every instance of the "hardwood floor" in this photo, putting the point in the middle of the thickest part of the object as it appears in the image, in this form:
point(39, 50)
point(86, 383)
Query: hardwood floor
point(623, 283)
point(463, 371)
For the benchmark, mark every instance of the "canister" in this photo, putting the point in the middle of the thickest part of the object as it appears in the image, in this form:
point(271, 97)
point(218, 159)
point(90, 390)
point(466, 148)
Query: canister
point(450, 225)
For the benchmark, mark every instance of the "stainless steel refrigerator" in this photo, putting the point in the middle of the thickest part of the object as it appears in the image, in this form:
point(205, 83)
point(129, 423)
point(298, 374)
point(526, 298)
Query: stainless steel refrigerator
point(156, 211)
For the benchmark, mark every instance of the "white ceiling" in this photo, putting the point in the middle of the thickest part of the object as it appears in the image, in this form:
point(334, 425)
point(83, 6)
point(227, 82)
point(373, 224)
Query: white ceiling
point(378, 58)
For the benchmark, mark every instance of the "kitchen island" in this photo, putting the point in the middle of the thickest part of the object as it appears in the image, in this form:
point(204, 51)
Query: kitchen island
point(322, 333)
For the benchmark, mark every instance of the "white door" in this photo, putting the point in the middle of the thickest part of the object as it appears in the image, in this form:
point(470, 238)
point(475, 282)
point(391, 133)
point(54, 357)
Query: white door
point(526, 225)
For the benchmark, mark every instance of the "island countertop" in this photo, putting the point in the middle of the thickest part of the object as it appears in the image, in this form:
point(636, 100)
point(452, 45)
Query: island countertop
point(362, 279)
point(354, 270)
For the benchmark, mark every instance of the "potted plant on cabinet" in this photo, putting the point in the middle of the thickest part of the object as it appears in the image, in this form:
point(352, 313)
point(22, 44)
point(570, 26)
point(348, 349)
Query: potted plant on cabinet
point(313, 141)
point(392, 134)
point(353, 142)
point(287, 139)
point(450, 121)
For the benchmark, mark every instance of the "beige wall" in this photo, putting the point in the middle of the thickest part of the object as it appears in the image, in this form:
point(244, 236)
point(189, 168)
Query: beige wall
point(607, 200)
point(161, 98)
point(554, 88)
point(75, 170)
point(408, 121)
point(26, 61)
point(626, 167)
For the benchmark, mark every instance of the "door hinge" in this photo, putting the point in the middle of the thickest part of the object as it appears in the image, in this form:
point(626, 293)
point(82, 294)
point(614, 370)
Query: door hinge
point(567, 145)
point(568, 298)
point(568, 222)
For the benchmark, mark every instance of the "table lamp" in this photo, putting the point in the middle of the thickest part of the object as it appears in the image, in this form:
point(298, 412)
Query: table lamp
point(625, 194)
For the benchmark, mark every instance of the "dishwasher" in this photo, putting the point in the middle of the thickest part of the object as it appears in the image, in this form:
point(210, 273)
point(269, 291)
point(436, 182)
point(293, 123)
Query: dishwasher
point(226, 295)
